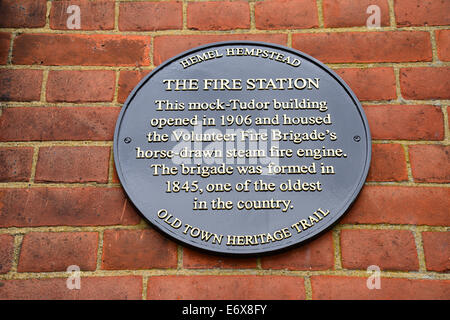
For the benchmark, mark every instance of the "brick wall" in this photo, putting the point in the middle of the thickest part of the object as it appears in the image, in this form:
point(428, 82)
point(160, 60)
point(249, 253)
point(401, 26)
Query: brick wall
point(61, 202)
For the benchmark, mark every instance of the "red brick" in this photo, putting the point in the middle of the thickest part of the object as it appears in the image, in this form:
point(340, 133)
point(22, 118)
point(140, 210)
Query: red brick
point(115, 176)
point(73, 164)
point(91, 288)
point(194, 259)
point(286, 14)
point(425, 83)
point(388, 249)
point(6, 252)
point(355, 288)
point(5, 39)
point(436, 246)
point(388, 163)
point(422, 12)
point(56, 251)
point(315, 255)
point(137, 249)
point(128, 79)
point(443, 44)
point(81, 86)
point(218, 15)
point(52, 123)
point(150, 16)
point(388, 46)
point(22, 14)
point(91, 206)
point(166, 47)
point(405, 122)
point(76, 49)
point(430, 163)
point(370, 84)
point(20, 85)
point(401, 205)
point(225, 288)
point(98, 15)
point(350, 13)
point(15, 164)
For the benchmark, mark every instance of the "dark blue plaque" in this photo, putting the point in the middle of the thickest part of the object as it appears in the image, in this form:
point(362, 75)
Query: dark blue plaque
point(242, 147)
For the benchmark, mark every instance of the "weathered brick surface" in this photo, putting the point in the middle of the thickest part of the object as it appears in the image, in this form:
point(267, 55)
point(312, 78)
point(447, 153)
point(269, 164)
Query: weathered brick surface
point(388, 163)
point(166, 47)
point(388, 249)
point(436, 246)
point(348, 13)
point(137, 249)
point(5, 39)
point(77, 49)
point(425, 83)
point(94, 15)
point(51, 123)
point(226, 288)
point(15, 164)
point(443, 44)
point(73, 164)
point(88, 206)
point(341, 47)
point(355, 288)
point(22, 14)
point(194, 259)
point(218, 15)
point(405, 122)
point(370, 84)
point(127, 81)
point(20, 85)
point(428, 163)
point(401, 205)
point(150, 16)
point(290, 14)
point(422, 12)
point(92, 288)
point(315, 255)
point(81, 86)
point(6, 252)
point(115, 176)
point(56, 251)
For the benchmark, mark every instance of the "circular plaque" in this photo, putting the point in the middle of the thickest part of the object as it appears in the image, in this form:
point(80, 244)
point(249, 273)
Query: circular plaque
point(242, 147)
